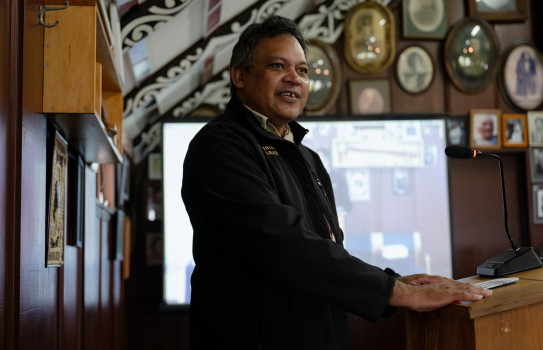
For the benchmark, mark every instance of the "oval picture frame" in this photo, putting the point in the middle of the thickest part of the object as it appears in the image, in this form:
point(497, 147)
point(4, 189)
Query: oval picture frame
point(324, 77)
point(522, 76)
point(369, 37)
point(471, 54)
point(415, 69)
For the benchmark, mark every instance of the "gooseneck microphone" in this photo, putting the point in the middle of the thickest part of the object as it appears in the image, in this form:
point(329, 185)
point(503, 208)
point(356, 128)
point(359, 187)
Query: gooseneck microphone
point(511, 260)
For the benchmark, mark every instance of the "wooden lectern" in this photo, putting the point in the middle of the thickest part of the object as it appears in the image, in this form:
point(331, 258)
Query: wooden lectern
point(512, 318)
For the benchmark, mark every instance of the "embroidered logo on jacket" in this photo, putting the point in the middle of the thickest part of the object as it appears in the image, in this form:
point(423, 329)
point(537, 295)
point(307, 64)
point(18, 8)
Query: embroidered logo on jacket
point(270, 150)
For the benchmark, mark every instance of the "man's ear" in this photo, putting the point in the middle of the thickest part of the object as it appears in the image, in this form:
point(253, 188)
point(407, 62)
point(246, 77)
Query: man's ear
point(237, 76)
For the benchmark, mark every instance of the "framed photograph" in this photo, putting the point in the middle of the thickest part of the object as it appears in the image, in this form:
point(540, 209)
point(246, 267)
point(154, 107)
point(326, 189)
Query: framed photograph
point(522, 76)
point(498, 10)
point(414, 69)
point(155, 166)
point(515, 130)
point(471, 55)
point(324, 77)
point(153, 200)
point(369, 96)
point(485, 128)
point(369, 37)
point(457, 131)
point(56, 217)
point(154, 249)
point(425, 18)
point(535, 128)
point(538, 203)
point(536, 163)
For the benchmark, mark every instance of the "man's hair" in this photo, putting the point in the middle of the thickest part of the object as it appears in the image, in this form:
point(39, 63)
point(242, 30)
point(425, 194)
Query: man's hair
point(244, 50)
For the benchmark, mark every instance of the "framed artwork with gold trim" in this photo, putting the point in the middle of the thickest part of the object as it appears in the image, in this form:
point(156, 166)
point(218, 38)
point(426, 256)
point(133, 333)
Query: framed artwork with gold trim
point(369, 37)
point(425, 19)
point(56, 218)
point(515, 130)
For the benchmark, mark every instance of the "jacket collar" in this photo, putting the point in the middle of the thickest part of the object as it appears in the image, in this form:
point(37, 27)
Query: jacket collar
point(237, 112)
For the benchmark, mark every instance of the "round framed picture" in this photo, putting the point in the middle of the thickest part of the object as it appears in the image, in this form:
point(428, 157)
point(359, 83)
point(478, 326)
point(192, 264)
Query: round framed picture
point(414, 69)
point(522, 76)
point(324, 77)
point(471, 54)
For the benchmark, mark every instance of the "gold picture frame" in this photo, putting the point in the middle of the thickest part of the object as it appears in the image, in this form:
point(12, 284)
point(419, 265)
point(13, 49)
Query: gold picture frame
point(56, 218)
point(368, 97)
point(369, 37)
point(515, 130)
point(485, 128)
point(498, 10)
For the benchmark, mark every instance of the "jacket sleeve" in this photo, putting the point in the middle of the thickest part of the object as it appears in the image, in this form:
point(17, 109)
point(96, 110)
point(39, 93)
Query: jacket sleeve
point(239, 218)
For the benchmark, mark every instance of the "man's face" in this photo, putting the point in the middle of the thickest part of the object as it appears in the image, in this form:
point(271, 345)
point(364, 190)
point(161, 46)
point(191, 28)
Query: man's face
point(487, 128)
point(277, 86)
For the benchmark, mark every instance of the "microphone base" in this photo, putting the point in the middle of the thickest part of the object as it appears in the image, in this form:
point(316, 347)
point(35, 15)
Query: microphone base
point(510, 261)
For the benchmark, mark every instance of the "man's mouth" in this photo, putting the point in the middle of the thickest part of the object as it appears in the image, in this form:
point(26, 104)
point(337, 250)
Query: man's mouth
point(291, 94)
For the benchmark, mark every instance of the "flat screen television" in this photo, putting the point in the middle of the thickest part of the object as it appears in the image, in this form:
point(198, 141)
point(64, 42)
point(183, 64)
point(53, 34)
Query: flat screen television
point(390, 181)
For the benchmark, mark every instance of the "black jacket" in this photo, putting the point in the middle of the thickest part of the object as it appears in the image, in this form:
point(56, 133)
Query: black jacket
point(267, 274)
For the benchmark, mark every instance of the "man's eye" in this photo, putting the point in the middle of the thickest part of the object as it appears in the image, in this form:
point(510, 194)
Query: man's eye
point(303, 70)
point(276, 65)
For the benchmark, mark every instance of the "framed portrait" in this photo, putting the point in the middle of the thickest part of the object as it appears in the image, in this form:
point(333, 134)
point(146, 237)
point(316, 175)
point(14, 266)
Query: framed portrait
point(537, 202)
point(535, 128)
point(369, 37)
point(56, 218)
point(485, 128)
point(471, 54)
point(324, 77)
point(536, 163)
point(457, 131)
point(154, 248)
point(425, 18)
point(414, 69)
point(498, 10)
point(515, 130)
point(522, 75)
point(153, 201)
point(369, 96)
point(155, 166)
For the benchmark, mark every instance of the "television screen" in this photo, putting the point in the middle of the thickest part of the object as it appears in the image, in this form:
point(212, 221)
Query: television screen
point(390, 182)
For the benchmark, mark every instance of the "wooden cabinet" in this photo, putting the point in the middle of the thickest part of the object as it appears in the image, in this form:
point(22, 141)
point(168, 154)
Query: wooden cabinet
point(82, 87)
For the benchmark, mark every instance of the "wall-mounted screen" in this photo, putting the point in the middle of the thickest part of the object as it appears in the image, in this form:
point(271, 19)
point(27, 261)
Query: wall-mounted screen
point(390, 181)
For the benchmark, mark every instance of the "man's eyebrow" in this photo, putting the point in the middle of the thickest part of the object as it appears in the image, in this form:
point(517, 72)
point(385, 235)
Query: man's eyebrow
point(280, 58)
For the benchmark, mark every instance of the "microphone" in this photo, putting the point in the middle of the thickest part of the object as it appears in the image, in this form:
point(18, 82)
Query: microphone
point(511, 260)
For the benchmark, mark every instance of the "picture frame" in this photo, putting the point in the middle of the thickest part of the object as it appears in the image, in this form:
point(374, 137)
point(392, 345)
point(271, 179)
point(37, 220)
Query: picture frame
point(369, 40)
point(515, 130)
point(471, 52)
point(370, 96)
point(56, 201)
point(537, 203)
point(535, 128)
point(415, 69)
point(154, 249)
point(498, 10)
point(155, 166)
point(457, 131)
point(324, 77)
point(425, 19)
point(153, 205)
point(522, 88)
point(485, 128)
point(536, 164)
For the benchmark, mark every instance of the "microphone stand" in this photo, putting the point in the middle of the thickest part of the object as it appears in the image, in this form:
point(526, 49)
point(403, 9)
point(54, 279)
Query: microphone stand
point(511, 260)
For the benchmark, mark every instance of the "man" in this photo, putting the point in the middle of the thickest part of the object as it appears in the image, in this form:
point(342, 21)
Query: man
point(271, 271)
point(486, 131)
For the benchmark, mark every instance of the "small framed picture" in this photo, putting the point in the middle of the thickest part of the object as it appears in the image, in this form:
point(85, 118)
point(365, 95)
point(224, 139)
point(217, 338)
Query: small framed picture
point(485, 128)
point(471, 54)
point(153, 201)
point(515, 129)
point(414, 69)
point(538, 203)
point(536, 163)
point(535, 128)
point(457, 133)
point(155, 166)
point(425, 18)
point(369, 45)
point(522, 75)
point(369, 96)
point(498, 10)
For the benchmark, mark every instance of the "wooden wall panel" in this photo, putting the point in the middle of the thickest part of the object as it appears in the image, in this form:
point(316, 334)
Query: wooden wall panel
point(72, 317)
point(5, 68)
